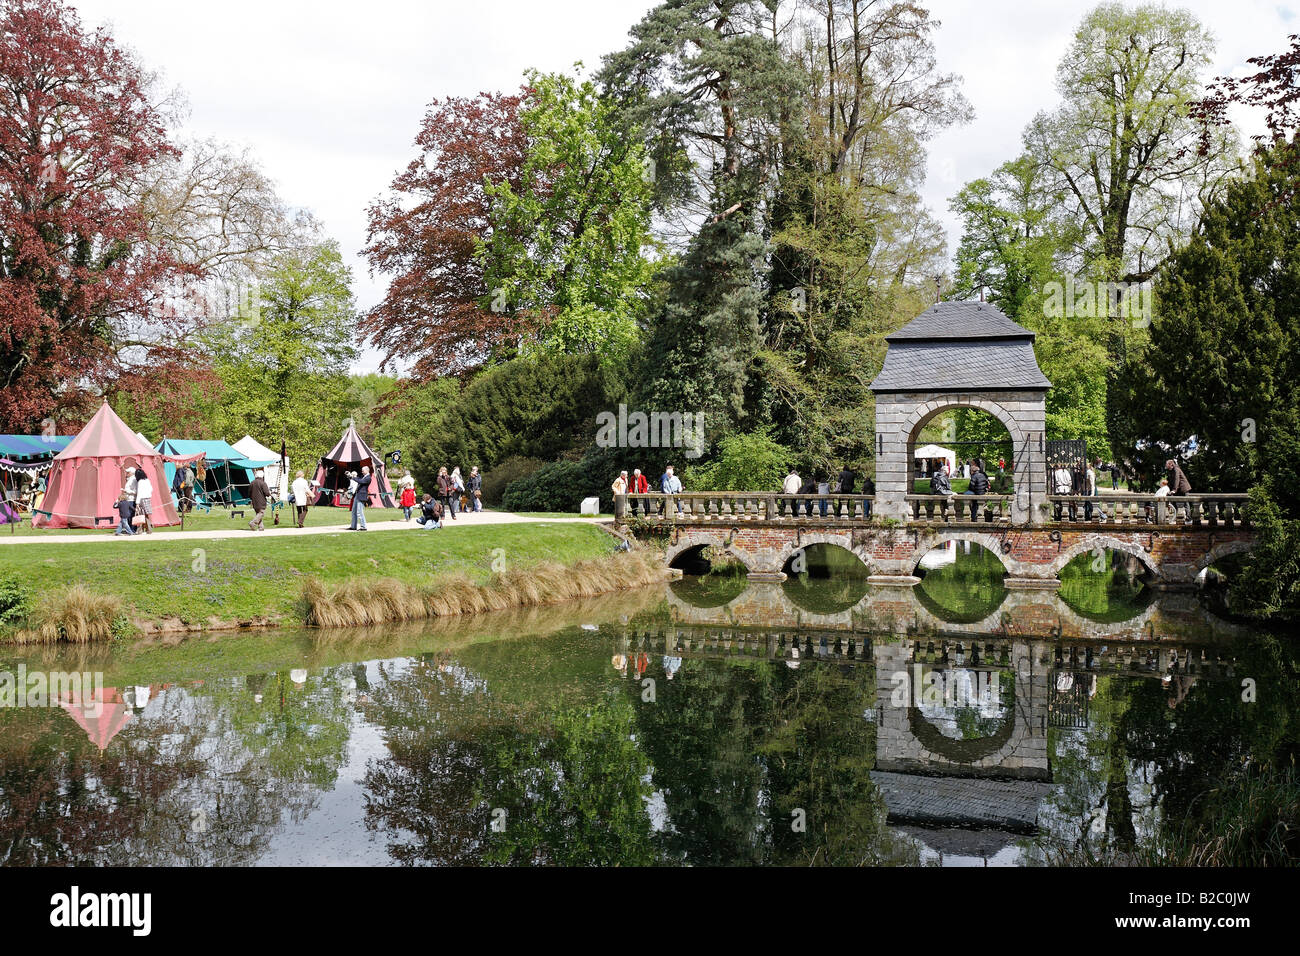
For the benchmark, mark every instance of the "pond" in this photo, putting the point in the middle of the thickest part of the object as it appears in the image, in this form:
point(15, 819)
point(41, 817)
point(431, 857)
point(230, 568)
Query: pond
point(713, 721)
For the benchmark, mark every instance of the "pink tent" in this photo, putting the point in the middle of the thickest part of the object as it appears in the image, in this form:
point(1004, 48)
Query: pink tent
point(87, 477)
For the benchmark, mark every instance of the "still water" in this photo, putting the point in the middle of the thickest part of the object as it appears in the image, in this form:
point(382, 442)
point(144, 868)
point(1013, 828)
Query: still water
point(712, 721)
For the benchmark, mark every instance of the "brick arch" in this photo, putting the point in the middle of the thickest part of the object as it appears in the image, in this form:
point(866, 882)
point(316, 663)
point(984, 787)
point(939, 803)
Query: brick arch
point(991, 543)
point(843, 541)
point(1108, 543)
point(708, 539)
point(1222, 551)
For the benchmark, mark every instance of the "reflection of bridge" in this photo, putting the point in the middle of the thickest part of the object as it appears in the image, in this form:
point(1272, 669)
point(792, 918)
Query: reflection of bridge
point(1021, 614)
point(961, 725)
point(956, 355)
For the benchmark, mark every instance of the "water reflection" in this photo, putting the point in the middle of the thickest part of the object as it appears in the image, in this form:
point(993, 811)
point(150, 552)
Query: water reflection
point(910, 727)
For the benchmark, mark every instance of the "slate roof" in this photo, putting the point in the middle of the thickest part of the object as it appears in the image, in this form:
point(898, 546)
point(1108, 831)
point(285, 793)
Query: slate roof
point(960, 346)
point(960, 320)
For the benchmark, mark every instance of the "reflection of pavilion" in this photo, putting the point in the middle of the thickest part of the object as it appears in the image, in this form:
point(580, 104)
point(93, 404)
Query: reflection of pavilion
point(101, 714)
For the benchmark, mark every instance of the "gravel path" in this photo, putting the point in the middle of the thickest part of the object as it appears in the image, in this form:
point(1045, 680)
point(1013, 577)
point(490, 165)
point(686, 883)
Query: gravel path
point(242, 531)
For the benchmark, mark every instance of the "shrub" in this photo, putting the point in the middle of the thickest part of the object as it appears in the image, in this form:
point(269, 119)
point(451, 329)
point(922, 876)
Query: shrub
point(497, 479)
point(560, 486)
point(747, 462)
point(15, 603)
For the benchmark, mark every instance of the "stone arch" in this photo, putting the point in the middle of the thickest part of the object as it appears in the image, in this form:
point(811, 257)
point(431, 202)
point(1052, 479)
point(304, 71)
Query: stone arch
point(1106, 542)
point(926, 411)
point(1222, 551)
point(989, 542)
point(842, 540)
point(688, 542)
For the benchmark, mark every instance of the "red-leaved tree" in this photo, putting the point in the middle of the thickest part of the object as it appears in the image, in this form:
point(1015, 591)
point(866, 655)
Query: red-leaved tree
point(423, 235)
point(79, 279)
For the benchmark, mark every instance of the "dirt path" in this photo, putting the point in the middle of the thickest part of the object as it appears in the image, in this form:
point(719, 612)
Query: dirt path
point(465, 521)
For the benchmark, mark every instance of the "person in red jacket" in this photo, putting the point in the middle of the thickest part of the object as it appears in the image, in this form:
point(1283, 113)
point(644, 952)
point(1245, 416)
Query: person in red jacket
point(638, 486)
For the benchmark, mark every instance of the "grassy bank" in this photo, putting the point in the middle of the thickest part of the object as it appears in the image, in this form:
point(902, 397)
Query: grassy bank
point(260, 580)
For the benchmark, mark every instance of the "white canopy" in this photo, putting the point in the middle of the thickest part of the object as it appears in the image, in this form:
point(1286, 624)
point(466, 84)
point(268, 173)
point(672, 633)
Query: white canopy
point(254, 450)
point(935, 451)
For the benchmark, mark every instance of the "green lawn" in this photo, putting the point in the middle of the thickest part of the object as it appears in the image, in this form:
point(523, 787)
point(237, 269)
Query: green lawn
point(240, 579)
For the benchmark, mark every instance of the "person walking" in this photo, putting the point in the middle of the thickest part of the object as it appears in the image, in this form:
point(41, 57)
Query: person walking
point(125, 511)
point(869, 490)
point(445, 489)
point(407, 500)
point(258, 494)
point(458, 488)
point(1089, 489)
point(128, 497)
point(1179, 487)
point(300, 494)
point(475, 488)
point(361, 498)
point(144, 499)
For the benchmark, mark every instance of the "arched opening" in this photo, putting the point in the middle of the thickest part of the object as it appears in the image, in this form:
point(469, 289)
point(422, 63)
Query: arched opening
point(825, 578)
point(957, 439)
point(961, 582)
point(1106, 585)
point(710, 578)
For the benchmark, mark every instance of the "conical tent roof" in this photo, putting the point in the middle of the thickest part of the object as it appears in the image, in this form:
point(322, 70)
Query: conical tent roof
point(350, 454)
point(352, 449)
point(105, 436)
point(86, 478)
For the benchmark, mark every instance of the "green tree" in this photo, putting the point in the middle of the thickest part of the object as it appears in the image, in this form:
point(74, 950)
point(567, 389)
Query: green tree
point(569, 243)
point(284, 358)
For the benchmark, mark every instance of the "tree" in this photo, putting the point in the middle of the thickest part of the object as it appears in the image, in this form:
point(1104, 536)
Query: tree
point(1016, 245)
point(1121, 143)
point(425, 235)
point(538, 407)
point(284, 363)
point(1222, 362)
point(569, 245)
point(78, 275)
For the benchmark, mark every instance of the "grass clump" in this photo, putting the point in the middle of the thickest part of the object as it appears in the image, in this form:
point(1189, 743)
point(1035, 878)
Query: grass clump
point(368, 601)
point(76, 615)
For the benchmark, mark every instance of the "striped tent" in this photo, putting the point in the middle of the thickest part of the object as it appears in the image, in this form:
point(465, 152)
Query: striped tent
point(87, 477)
point(350, 454)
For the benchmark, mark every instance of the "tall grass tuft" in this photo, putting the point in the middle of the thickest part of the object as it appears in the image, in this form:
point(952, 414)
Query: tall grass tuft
point(366, 601)
point(74, 614)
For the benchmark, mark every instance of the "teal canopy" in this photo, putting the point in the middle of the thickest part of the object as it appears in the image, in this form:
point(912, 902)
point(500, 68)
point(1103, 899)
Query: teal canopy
point(23, 448)
point(229, 473)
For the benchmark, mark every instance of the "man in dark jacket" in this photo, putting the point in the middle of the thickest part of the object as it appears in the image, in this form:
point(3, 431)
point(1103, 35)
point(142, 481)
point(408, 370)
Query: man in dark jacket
point(847, 481)
point(431, 513)
point(1178, 483)
point(258, 494)
point(361, 498)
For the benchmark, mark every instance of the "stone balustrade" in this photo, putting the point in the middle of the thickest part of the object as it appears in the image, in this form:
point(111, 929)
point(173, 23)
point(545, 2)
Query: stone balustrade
point(734, 506)
point(731, 507)
point(1197, 511)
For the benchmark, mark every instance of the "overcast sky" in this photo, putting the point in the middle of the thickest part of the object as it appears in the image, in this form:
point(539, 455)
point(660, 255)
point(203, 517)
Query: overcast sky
point(329, 95)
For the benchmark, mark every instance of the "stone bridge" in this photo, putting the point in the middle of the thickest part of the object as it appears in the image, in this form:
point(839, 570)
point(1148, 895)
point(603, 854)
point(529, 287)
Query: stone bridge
point(1173, 539)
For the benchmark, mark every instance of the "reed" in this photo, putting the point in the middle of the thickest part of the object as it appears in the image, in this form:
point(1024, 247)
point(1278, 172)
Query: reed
point(76, 615)
point(366, 601)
